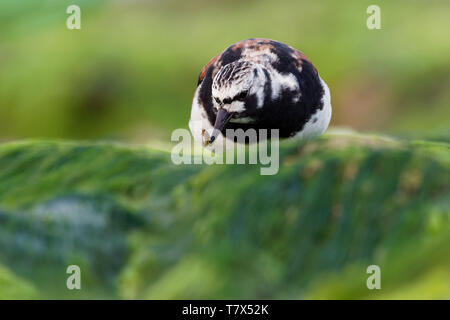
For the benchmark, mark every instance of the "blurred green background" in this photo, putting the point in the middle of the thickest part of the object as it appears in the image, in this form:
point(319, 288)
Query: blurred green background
point(141, 227)
point(131, 71)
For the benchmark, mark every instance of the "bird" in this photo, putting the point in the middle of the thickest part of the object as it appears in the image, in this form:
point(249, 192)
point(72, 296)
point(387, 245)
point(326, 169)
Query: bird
point(258, 84)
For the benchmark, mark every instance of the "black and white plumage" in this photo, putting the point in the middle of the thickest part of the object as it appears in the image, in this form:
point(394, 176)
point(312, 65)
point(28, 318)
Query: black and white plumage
point(259, 84)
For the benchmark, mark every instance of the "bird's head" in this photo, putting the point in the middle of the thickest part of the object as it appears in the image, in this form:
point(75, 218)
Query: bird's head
point(231, 87)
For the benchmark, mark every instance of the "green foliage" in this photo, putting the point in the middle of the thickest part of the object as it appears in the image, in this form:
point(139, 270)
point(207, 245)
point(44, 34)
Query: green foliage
point(12, 287)
point(141, 227)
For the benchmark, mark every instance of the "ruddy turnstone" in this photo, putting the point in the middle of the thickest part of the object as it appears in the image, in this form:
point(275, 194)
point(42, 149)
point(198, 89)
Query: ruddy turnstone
point(259, 84)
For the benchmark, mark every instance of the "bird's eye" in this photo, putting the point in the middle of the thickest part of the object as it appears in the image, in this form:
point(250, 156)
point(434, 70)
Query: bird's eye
point(217, 100)
point(227, 100)
point(241, 96)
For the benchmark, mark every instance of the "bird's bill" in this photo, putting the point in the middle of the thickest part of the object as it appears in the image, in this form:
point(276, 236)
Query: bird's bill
point(222, 119)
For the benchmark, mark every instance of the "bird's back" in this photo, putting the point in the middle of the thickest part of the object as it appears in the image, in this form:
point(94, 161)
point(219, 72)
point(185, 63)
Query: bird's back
point(264, 51)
